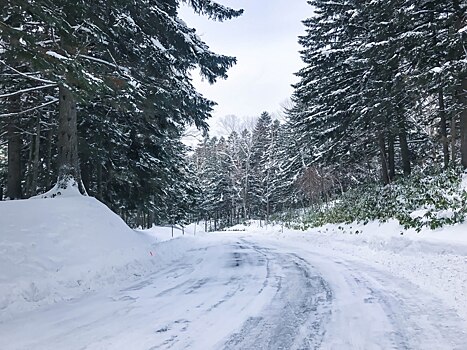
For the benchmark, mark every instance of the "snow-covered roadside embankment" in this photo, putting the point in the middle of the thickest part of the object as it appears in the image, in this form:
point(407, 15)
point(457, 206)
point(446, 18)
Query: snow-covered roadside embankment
point(57, 249)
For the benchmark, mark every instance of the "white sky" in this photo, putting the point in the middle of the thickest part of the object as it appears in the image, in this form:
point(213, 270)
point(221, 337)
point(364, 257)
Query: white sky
point(264, 40)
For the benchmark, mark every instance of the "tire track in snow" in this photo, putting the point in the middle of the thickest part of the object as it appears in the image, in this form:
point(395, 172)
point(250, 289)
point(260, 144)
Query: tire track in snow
point(418, 321)
point(297, 314)
point(373, 309)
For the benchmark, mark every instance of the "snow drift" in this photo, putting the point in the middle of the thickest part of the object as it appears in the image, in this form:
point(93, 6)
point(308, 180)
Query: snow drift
point(56, 249)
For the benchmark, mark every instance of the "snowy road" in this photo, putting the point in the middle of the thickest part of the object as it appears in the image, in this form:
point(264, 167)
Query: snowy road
point(230, 292)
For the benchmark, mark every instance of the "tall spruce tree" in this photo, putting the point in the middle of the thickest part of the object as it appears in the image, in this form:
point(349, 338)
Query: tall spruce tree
point(372, 78)
point(123, 68)
point(261, 137)
point(140, 52)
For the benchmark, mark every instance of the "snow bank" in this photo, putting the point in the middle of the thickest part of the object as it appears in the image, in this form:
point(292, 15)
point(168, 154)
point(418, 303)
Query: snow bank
point(56, 249)
point(434, 260)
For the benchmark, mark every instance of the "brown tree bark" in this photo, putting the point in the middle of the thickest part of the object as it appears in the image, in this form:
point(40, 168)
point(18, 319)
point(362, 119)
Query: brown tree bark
point(36, 159)
point(405, 153)
point(48, 159)
point(29, 166)
point(383, 158)
point(67, 142)
point(15, 143)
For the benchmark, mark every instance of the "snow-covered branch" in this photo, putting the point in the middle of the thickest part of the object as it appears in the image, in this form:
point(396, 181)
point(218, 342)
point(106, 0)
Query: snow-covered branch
point(26, 75)
point(29, 109)
point(19, 92)
point(107, 63)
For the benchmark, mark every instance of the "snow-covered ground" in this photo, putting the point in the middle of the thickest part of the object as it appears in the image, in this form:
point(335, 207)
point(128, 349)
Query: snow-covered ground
point(53, 250)
point(434, 260)
point(74, 276)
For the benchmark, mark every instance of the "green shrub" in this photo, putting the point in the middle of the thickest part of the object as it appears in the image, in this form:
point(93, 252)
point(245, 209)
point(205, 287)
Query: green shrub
point(433, 191)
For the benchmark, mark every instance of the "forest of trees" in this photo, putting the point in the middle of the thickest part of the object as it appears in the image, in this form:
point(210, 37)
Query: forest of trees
point(98, 95)
point(383, 91)
point(384, 87)
point(255, 173)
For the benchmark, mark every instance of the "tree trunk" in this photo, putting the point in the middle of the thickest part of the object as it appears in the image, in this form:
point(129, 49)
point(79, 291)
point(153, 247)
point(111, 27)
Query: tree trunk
point(36, 160)
point(405, 154)
point(443, 128)
point(463, 124)
point(67, 142)
point(384, 163)
point(462, 94)
point(48, 161)
point(267, 209)
point(87, 171)
point(108, 179)
point(15, 142)
point(29, 166)
point(453, 140)
point(391, 156)
point(99, 180)
point(151, 218)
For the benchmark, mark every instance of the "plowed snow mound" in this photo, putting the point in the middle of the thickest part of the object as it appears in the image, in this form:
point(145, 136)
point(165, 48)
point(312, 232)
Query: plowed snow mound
point(57, 249)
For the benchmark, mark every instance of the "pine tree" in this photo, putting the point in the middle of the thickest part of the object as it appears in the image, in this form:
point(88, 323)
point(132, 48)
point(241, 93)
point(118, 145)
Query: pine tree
point(246, 153)
point(124, 68)
point(137, 55)
point(259, 181)
point(371, 81)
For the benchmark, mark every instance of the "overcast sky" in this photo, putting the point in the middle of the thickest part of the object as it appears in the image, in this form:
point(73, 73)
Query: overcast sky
point(264, 40)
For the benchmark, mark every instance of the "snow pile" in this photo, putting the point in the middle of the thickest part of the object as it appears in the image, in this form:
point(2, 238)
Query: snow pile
point(70, 189)
point(57, 249)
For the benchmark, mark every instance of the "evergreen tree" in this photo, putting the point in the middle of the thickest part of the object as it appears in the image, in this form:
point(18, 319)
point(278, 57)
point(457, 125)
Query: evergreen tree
point(371, 80)
point(259, 181)
point(124, 70)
